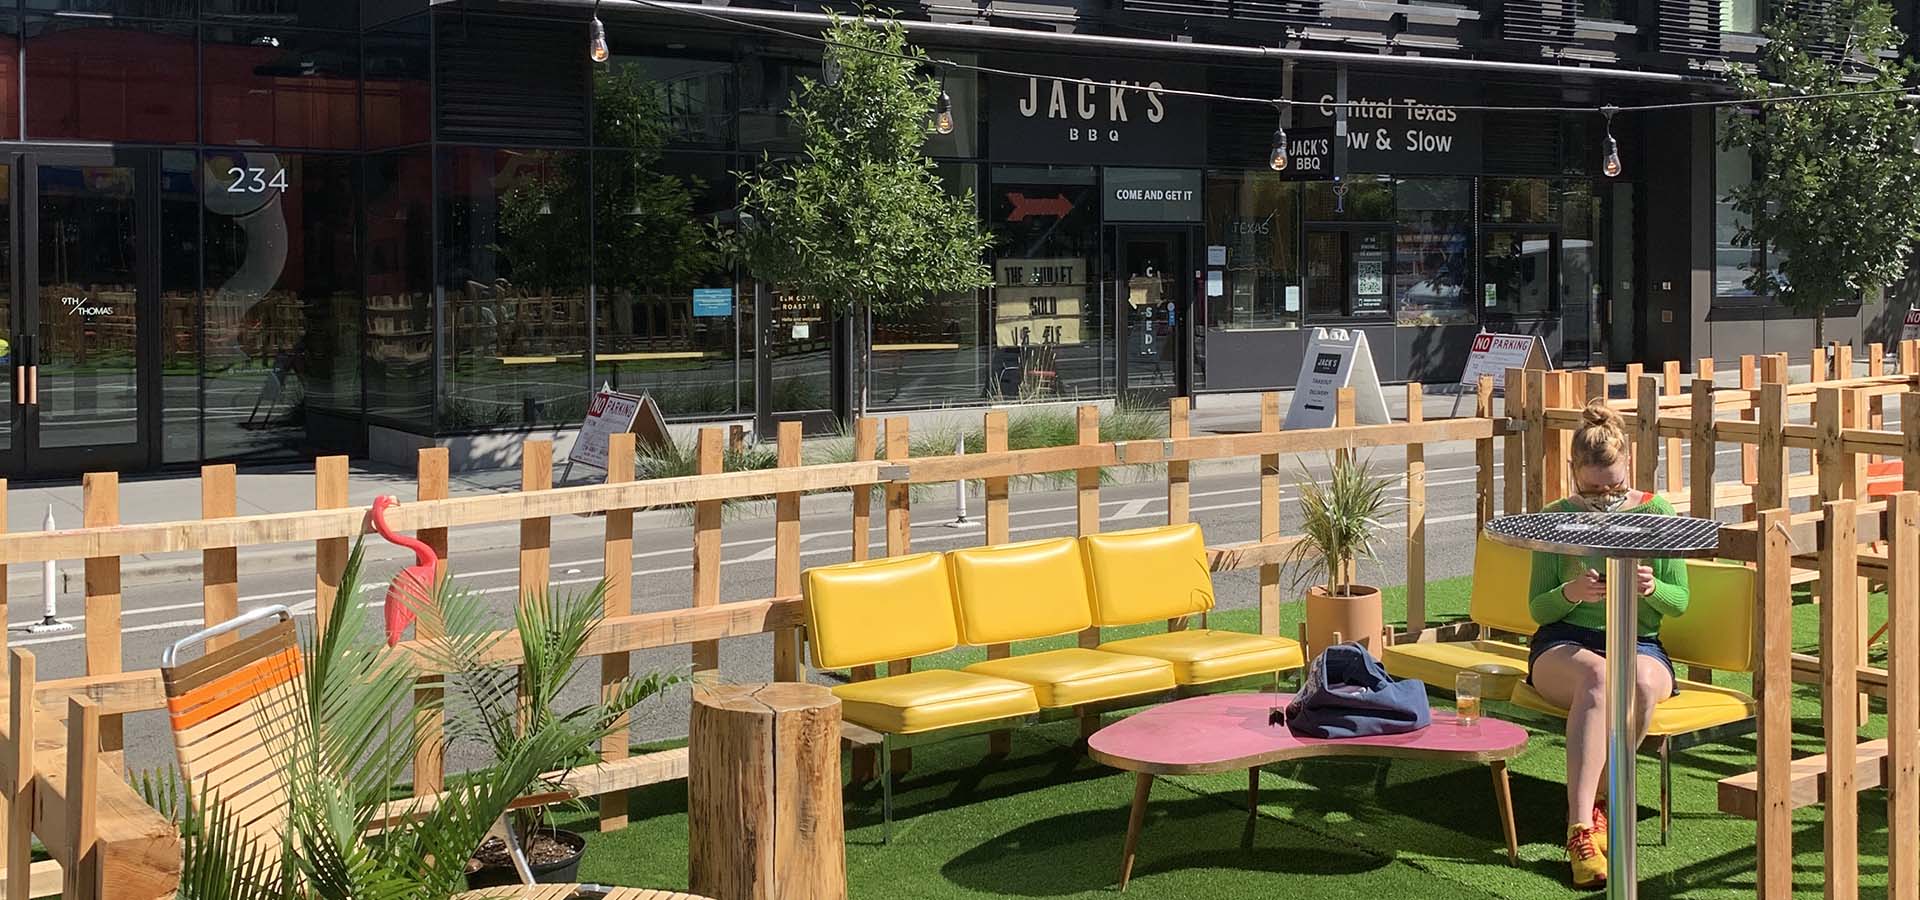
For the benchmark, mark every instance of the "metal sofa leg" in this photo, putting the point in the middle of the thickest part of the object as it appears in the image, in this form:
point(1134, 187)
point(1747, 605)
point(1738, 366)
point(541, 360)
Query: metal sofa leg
point(886, 789)
point(1666, 789)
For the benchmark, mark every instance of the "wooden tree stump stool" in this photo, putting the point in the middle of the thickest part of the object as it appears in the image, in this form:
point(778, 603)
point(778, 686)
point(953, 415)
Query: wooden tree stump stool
point(763, 793)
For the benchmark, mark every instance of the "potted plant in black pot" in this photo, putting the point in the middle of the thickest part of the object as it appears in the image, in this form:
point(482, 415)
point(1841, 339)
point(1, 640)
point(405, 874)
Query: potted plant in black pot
point(504, 707)
point(1340, 516)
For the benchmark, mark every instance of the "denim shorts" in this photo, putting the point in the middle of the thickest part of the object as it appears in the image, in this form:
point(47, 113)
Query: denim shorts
point(1558, 633)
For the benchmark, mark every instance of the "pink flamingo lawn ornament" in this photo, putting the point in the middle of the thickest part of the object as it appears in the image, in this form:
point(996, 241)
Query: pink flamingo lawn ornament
point(413, 587)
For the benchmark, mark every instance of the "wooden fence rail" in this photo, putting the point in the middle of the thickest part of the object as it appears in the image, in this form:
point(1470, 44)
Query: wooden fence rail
point(108, 693)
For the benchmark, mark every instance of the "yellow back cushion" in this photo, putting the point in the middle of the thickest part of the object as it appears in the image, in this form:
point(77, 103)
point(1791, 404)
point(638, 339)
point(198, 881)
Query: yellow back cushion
point(1015, 592)
point(1502, 587)
point(1147, 574)
point(869, 612)
point(1717, 630)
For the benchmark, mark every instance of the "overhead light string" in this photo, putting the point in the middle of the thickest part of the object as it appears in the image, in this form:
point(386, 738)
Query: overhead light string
point(1278, 157)
point(1610, 164)
point(597, 49)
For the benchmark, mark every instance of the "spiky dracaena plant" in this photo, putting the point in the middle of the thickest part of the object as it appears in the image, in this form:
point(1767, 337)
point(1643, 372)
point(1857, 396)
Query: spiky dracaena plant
point(1340, 514)
point(341, 750)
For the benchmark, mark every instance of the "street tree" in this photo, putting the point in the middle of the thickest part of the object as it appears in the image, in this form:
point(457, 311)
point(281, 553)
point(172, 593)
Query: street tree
point(860, 222)
point(1835, 197)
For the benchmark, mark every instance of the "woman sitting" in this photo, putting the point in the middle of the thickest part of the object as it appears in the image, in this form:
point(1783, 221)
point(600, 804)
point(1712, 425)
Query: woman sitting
point(1567, 659)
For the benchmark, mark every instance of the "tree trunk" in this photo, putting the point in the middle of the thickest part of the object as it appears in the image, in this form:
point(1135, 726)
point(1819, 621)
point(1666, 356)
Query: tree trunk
point(862, 333)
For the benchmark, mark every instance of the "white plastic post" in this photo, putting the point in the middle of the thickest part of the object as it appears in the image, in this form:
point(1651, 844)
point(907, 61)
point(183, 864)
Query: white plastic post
point(960, 488)
point(49, 590)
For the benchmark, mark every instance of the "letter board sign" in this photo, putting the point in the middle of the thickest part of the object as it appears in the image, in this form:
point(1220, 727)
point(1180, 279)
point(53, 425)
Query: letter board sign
point(1336, 358)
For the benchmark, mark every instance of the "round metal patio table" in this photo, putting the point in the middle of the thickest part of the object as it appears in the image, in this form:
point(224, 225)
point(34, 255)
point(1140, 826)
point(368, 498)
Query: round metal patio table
point(1623, 540)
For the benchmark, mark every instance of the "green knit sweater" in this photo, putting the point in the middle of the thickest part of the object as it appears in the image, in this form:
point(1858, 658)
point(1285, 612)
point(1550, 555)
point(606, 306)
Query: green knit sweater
point(1553, 570)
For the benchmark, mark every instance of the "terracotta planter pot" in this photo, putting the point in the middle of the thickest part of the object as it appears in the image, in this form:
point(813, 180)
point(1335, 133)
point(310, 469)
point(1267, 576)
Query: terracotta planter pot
point(1355, 617)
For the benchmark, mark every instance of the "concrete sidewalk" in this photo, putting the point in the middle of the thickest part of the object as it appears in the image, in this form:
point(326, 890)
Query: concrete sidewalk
point(289, 488)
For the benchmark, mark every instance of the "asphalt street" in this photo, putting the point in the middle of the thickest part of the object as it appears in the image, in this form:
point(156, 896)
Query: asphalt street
point(1225, 504)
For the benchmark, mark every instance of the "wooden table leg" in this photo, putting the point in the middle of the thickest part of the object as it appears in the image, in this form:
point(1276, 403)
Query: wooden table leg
point(1503, 797)
point(1253, 791)
point(1143, 782)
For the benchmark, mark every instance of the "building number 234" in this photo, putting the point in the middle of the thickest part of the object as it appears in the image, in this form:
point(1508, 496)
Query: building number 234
point(255, 180)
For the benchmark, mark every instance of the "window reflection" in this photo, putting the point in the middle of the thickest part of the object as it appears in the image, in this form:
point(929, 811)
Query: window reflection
point(98, 79)
point(1432, 274)
point(180, 209)
point(282, 315)
point(514, 259)
point(396, 88)
point(678, 101)
point(311, 13)
point(1255, 216)
point(931, 353)
point(1050, 328)
point(399, 305)
point(282, 88)
point(9, 77)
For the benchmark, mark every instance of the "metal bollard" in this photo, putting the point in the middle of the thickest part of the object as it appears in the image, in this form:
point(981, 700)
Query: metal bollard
point(49, 591)
point(960, 519)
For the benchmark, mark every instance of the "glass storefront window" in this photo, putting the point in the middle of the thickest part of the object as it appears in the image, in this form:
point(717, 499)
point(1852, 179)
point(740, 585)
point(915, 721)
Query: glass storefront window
point(1518, 201)
point(9, 77)
point(282, 314)
point(399, 291)
point(1359, 198)
point(1432, 272)
point(181, 404)
point(514, 258)
point(665, 318)
point(769, 79)
point(1579, 270)
point(396, 87)
point(1740, 16)
point(655, 101)
point(1255, 215)
point(282, 88)
point(1732, 263)
point(309, 13)
point(149, 9)
point(930, 354)
point(1050, 328)
point(108, 80)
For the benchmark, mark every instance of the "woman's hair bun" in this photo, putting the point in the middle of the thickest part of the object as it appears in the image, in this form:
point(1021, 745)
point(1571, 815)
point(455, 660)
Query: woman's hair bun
point(1599, 414)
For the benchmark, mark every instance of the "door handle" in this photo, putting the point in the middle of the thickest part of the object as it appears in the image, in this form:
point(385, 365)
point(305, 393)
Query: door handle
point(33, 385)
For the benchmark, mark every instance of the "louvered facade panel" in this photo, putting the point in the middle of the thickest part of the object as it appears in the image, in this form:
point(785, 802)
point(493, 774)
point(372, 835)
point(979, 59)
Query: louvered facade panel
point(517, 81)
point(1549, 22)
point(1689, 28)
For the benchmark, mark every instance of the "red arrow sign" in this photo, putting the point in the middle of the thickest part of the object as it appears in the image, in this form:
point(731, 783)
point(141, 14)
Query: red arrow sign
point(1024, 206)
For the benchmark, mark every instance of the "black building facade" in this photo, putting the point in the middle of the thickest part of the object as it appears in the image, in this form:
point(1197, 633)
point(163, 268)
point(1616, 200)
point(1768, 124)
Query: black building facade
point(254, 230)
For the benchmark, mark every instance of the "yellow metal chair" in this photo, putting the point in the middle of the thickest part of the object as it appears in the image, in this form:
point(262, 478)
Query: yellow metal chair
point(228, 709)
point(1155, 574)
point(1716, 633)
point(873, 612)
point(1039, 589)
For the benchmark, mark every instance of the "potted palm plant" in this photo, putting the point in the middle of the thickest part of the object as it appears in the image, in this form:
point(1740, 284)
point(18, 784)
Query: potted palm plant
point(1340, 516)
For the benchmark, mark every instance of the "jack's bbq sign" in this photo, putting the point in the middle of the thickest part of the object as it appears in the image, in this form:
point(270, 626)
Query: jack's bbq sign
point(1095, 112)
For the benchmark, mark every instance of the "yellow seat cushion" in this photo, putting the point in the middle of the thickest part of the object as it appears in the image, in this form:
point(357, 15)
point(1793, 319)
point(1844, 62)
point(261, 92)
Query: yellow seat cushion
point(1077, 675)
point(862, 613)
point(1017, 592)
point(932, 699)
point(1695, 708)
point(1145, 574)
point(1436, 663)
point(1717, 630)
point(1200, 656)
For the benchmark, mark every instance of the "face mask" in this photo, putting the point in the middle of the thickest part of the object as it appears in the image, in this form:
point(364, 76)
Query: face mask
point(1604, 503)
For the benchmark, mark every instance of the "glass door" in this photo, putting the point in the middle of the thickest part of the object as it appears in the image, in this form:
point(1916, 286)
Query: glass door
point(1517, 272)
point(1346, 271)
point(1152, 311)
point(78, 354)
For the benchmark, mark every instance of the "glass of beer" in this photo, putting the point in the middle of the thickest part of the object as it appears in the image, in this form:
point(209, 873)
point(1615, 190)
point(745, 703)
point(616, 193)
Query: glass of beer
point(1466, 696)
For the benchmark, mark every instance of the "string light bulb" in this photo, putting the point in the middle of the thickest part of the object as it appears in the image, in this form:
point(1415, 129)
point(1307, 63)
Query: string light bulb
point(597, 48)
point(943, 110)
point(1611, 163)
point(1277, 158)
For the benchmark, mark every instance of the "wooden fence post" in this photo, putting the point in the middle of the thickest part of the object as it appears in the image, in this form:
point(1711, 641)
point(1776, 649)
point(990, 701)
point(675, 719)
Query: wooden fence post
point(786, 553)
point(1770, 457)
point(1560, 395)
point(536, 534)
point(1839, 690)
point(85, 730)
point(1595, 386)
point(1416, 519)
point(1877, 414)
point(1817, 370)
point(1843, 361)
point(1535, 453)
point(1910, 456)
point(3, 570)
point(1749, 459)
point(1704, 449)
point(1269, 516)
point(101, 509)
point(1670, 387)
point(429, 764)
point(616, 566)
point(1515, 452)
point(1773, 689)
point(899, 499)
point(329, 554)
point(1000, 743)
point(219, 566)
point(709, 459)
point(1634, 371)
point(1646, 436)
point(1903, 699)
point(1828, 458)
point(1483, 456)
point(21, 684)
point(1179, 425)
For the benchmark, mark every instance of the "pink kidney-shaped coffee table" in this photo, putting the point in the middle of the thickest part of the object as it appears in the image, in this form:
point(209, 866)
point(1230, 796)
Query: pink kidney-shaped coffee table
point(1224, 732)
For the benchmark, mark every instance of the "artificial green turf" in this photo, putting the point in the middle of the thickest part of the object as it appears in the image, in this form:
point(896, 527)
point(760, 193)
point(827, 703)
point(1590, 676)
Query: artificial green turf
point(1047, 822)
